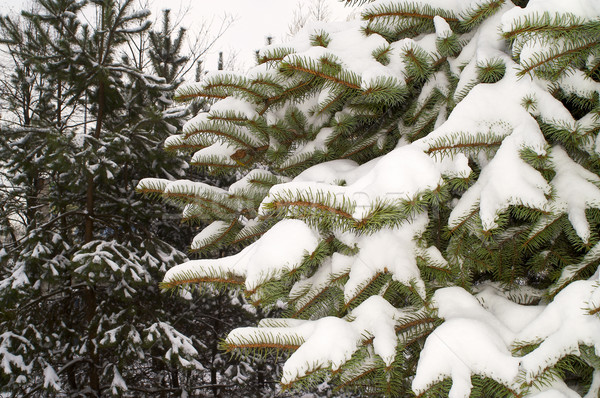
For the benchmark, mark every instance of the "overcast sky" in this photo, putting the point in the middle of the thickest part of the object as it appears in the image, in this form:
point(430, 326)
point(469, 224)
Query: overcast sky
point(254, 21)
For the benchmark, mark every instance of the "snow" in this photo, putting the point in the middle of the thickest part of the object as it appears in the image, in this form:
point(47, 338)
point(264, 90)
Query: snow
point(561, 327)
point(219, 149)
point(329, 341)
point(510, 314)
point(280, 249)
point(576, 189)
point(578, 83)
point(506, 181)
point(388, 250)
point(213, 230)
point(479, 333)
point(9, 360)
point(442, 29)
point(242, 107)
point(462, 347)
point(371, 182)
point(181, 347)
point(51, 379)
point(118, 383)
point(584, 9)
point(192, 188)
point(252, 181)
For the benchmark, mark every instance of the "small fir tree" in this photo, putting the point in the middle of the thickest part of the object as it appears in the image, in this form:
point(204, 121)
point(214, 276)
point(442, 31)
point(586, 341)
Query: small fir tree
point(418, 199)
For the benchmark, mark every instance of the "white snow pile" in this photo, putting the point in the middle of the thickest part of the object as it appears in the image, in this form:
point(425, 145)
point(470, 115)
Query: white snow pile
point(280, 250)
point(480, 332)
point(328, 342)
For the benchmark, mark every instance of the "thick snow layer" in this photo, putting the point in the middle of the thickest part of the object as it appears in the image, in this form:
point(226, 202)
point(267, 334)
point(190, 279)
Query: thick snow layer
point(578, 83)
point(221, 150)
point(576, 189)
point(442, 29)
point(479, 333)
point(489, 125)
point(9, 360)
point(252, 181)
point(511, 315)
point(378, 180)
point(240, 106)
point(497, 109)
point(118, 383)
point(192, 188)
point(328, 172)
point(507, 180)
point(460, 348)
point(51, 379)
point(388, 250)
point(554, 389)
point(356, 57)
point(213, 230)
point(585, 9)
point(280, 249)
point(329, 341)
point(561, 327)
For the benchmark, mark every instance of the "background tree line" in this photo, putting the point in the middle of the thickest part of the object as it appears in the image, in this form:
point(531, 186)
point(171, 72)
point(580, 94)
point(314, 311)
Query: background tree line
point(86, 94)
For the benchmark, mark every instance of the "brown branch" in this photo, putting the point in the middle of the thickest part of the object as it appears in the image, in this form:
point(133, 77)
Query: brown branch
point(188, 97)
point(320, 206)
point(309, 303)
point(469, 216)
point(370, 17)
point(231, 347)
point(324, 76)
point(365, 287)
point(219, 238)
point(540, 231)
point(464, 145)
point(352, 380)
point(247, 237)
point(552, 58)
point(199, 280)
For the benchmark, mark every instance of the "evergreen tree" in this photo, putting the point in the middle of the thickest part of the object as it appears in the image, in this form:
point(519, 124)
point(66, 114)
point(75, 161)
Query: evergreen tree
point(418, 199)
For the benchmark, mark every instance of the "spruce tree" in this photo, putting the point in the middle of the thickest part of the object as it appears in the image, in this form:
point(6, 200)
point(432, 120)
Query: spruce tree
point(418, 199)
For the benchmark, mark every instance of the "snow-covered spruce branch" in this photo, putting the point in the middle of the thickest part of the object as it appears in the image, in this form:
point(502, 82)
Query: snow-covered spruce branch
point(431, 185)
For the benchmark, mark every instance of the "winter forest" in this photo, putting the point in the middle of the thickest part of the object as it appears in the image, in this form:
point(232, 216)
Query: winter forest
point(404, 203)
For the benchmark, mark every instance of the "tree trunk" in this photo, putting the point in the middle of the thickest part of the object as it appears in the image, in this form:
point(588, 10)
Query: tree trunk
point(94, 379)
point(90, 293)
point(91, 187)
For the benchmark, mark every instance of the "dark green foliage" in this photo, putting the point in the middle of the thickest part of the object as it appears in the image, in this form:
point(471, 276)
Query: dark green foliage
point(81, 254)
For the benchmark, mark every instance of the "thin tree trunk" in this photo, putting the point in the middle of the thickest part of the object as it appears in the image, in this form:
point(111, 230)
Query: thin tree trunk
point(94, 379)
point(90, 293)
point(91, 187)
